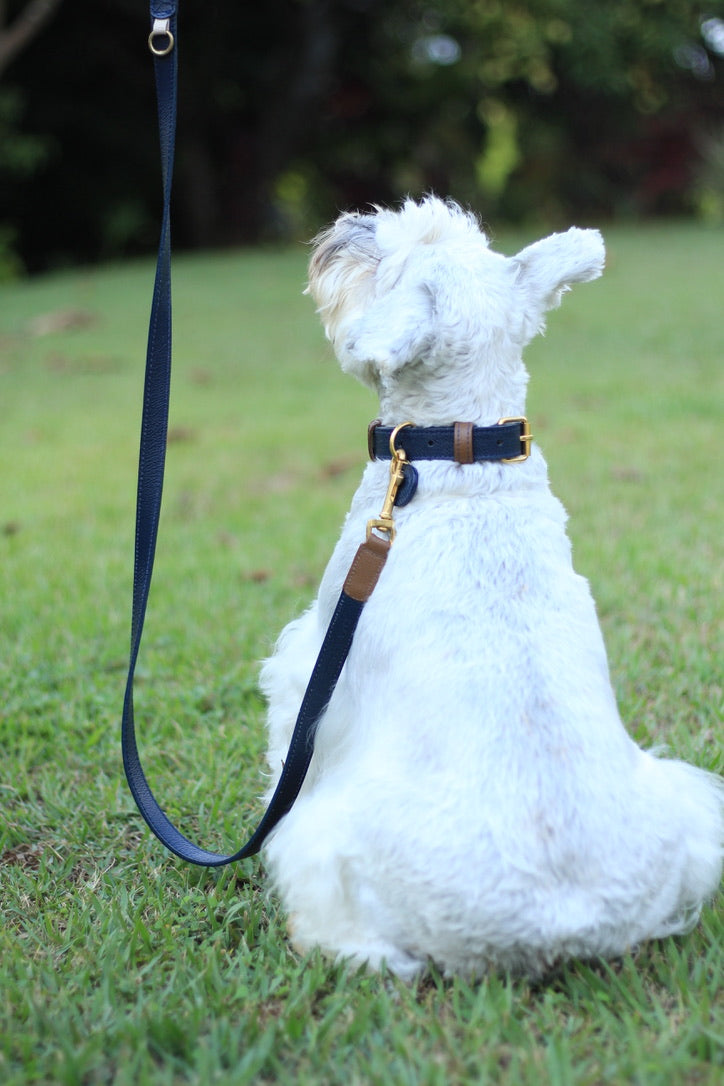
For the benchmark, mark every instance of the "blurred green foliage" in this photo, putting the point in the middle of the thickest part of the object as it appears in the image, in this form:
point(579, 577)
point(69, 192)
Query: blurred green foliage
point(547, 109)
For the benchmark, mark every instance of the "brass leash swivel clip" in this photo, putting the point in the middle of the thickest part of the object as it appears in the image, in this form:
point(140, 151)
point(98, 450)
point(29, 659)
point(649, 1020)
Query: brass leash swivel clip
point(398, 458)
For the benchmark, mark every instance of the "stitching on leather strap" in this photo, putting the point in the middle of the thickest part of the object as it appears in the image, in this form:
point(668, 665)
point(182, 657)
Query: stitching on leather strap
point(366, 568)
point(463, 443)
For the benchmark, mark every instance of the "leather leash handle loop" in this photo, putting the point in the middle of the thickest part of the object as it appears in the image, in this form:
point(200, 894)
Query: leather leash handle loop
point(152, 455)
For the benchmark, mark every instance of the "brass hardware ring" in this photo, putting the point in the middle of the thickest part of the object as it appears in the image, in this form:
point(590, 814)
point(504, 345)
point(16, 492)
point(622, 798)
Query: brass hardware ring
point(393, 438)
point(160, 30)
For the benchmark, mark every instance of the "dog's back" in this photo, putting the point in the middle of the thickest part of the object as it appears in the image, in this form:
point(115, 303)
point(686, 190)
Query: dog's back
point(473, 797)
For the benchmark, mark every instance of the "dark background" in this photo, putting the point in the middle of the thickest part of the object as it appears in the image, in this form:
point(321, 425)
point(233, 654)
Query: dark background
point(553, 110)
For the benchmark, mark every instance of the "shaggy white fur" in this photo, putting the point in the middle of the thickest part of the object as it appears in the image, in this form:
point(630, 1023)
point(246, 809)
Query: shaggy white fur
point(474, 798)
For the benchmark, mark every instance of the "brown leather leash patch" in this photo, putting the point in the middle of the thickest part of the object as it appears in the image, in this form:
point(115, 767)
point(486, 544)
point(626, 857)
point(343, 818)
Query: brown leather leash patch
point(366, 568)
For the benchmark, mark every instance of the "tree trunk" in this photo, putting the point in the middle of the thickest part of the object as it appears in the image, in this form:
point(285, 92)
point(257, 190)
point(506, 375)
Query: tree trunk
point(14, 37)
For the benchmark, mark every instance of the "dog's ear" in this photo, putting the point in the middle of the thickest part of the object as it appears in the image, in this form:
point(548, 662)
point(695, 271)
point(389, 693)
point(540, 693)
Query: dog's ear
point(394, 329)
point(546, 270)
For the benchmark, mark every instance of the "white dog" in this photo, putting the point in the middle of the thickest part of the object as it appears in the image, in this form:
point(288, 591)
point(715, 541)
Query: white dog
point(473, 798)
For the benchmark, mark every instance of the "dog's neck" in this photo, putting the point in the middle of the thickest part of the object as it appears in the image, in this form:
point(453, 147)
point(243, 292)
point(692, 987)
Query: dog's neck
point(430, 398)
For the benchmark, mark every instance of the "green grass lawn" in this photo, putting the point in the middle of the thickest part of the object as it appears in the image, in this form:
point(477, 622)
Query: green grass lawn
point(120, 964)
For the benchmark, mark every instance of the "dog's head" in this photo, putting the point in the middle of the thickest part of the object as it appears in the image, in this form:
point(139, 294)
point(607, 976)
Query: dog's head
point(421, 288)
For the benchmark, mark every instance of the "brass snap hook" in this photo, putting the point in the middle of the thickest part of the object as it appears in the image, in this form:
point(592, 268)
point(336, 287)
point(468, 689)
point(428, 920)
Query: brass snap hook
point(385, 522)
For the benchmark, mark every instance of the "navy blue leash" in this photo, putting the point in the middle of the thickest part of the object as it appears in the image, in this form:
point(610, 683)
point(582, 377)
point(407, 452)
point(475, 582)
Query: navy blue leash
point(360, 581)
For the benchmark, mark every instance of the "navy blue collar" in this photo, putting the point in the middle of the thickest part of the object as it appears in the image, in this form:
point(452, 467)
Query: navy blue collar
point(506, 442)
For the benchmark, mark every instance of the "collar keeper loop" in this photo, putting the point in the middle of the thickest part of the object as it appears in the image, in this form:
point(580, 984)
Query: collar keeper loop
point(463, 451)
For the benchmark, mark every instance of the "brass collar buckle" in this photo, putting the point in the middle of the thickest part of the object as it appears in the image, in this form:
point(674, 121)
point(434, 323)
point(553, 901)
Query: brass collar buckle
point(525, 438)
